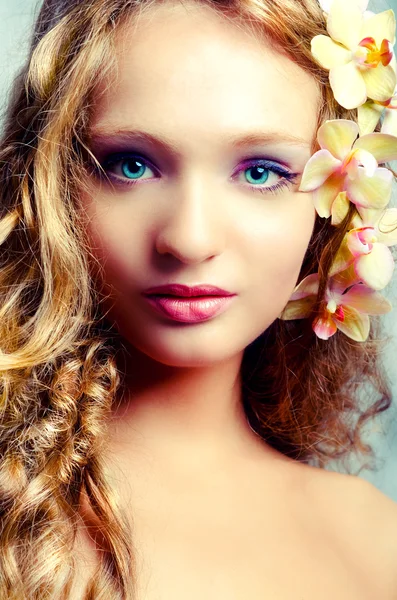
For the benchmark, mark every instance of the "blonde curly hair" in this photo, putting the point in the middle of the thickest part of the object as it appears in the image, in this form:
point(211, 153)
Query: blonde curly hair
point(59, 369)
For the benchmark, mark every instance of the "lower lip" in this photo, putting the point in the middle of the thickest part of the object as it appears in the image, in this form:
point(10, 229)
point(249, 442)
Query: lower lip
point(190, 310)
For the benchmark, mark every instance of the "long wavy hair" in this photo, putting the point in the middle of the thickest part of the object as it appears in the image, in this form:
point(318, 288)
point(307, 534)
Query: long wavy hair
point(59, 355)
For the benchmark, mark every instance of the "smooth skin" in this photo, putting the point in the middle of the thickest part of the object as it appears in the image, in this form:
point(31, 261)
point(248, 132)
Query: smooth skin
point(217, 514)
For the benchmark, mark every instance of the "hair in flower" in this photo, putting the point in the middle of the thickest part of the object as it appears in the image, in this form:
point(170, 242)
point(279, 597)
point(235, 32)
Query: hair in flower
point(346, 177)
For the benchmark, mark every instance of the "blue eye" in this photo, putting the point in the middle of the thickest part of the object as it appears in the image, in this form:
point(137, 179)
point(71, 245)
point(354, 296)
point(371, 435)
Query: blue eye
point(261, 175)
point(259, 172)
point(133, 168)
point(127, 168)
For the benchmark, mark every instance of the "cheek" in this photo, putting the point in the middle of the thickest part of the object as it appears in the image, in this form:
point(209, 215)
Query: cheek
point(276, 248)
point(115, 242)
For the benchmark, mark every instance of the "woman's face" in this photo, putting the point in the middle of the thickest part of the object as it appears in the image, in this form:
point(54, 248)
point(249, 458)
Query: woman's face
point(204, 134)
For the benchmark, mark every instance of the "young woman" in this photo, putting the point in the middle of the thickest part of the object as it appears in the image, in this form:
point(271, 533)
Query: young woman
point(155, 445)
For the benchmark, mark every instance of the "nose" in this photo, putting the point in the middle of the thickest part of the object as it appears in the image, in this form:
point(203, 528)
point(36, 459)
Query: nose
point(193, 229)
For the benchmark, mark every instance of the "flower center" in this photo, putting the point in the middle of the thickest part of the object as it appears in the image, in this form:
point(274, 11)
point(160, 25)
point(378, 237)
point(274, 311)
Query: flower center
point(332, 306)
point(350, 164)
point(358, 158)
point(335, 309)
point(391, 103)
point(340, 313)
point(368, 238)
point(368, 55)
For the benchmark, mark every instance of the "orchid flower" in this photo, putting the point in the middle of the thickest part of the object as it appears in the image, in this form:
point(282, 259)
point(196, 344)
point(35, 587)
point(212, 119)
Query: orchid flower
point(357, 53)
point(366, 247)
point(346, 306)
point(389, 124)
point(346, 169)
point(370, 113)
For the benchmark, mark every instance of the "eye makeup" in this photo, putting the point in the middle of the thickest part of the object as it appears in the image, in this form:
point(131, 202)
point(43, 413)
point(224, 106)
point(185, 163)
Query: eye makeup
point(120, 165)
point(266, 168)
point(129, 168)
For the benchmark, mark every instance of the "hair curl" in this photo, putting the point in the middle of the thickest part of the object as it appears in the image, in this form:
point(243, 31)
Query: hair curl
point(58, 353)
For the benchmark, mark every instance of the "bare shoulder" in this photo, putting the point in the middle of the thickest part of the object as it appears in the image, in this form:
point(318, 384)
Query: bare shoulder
point(364, 524)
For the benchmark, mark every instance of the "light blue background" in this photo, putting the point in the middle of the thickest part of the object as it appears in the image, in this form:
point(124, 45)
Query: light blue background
point(16, 18)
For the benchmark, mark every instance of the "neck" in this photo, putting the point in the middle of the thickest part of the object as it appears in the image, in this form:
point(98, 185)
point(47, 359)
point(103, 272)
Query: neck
point(183, 411)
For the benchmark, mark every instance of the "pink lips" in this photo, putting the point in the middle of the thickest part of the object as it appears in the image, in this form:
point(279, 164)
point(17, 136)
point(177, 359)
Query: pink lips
point(188, 304)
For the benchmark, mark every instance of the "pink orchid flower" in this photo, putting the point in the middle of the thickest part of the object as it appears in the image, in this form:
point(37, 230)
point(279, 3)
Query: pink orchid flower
point(366, 247)
point(357, 53)
point(346, 306)
point(346, 169)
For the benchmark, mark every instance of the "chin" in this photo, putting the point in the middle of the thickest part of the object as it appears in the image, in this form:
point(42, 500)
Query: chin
point(199, 345)
point(175, 356)
point(203, 348)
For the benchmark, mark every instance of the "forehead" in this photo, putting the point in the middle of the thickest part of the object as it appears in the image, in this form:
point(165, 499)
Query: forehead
point(188, 71)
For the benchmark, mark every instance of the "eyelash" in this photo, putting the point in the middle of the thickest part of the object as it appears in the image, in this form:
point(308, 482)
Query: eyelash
point(288, 178)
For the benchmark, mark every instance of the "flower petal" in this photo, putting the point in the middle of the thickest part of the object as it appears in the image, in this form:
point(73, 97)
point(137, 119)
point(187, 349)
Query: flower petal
point(392, 103)
point(307, 287)
point(360, 241)
point(348, 85)
point(339, 283)
point(387, 227)
point(365, 300)
point(298, 309)
point(362, 5)
point(357, 220)
point(328, 53)
point(317, 169)
point(370, 192)
point(389, 124)
point(355, 325)
point(376, 268)
point(368, 117)
point(379, 82)
point(344, 23)
point(340, 208)
point(324, 327)
point(367, 217)
point(381, 26)
point(325, 195)
point(381, 145)
point(338, 136)
point(325, 5)
point(366, 160)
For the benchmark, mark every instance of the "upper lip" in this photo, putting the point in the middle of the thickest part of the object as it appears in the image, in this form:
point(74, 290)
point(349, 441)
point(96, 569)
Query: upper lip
point(179, 289)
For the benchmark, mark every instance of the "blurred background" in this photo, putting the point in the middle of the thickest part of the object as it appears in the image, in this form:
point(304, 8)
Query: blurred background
point(16, 20)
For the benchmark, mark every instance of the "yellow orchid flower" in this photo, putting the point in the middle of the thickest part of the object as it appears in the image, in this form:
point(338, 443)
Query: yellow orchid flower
point(370, 113)
point(389, 124)
point(346, 169)
point(346, 307)
point(357, 53)
point(366, 247)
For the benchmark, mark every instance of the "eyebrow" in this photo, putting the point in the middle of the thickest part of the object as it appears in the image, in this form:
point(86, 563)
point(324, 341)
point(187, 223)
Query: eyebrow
point(102, 136)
